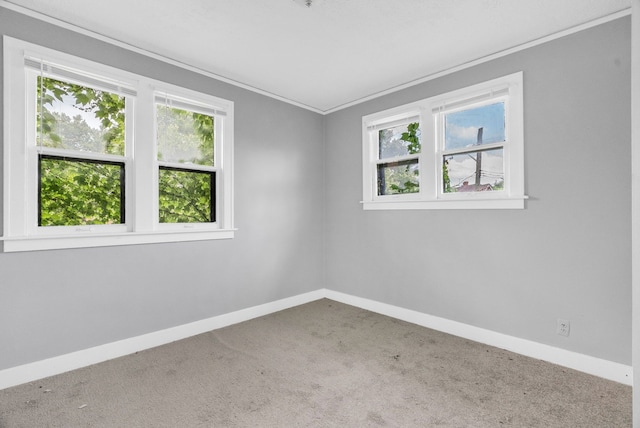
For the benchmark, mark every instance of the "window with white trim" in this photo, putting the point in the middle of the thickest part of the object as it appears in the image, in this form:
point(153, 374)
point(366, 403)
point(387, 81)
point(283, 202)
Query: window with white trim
point(460, 150)
point(96, 156)
point(188, 152)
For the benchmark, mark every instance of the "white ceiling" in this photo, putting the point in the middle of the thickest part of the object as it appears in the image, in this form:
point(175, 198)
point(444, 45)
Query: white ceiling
point(332, 53)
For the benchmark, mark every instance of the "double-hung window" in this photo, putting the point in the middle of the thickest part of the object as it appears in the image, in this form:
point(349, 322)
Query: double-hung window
point(97, 156)
point(397, 157)
point(81, 148)
point(463, 149)
point(188, 149)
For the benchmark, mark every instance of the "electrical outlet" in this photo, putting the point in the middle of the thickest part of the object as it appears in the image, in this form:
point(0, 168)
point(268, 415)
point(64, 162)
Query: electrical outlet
point(563, 327)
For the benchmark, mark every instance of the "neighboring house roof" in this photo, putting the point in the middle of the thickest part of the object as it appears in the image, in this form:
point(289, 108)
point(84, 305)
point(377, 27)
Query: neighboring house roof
point(466, 187)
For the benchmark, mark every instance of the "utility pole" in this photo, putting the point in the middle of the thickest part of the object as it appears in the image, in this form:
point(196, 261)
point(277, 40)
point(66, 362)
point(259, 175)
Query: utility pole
point(479, 158)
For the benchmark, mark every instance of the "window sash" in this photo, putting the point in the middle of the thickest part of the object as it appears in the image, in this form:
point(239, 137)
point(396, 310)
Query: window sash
point(212, 191)
point(382, 168)
point(473, 179)
point(216, 122)
point(379, 145)
point(122, 185)
point(88, 154)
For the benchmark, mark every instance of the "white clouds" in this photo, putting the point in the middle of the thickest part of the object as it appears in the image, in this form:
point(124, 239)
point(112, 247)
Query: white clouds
point(463, 167)
point(461, 135)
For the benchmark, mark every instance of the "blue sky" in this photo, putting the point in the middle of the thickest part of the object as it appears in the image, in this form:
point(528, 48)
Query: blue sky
point(461, 128)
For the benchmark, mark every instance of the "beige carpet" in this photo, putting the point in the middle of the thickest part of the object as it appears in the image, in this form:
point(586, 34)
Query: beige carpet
point(322, 364)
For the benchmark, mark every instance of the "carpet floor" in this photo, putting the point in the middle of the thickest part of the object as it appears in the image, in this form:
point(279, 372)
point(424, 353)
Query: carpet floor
point(322, 364)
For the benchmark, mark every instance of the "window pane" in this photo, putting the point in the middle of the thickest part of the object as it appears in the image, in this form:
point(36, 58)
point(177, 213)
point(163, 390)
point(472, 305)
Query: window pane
point(398, 177)
point(76, 117)
point(474, 171)
point(399, 141)
point(76, 192)
point(475, 126)
point(184, 136)
point(186, 196)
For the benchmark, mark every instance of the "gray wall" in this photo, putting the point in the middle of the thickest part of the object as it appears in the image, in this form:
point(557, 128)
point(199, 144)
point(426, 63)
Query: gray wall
point(298, 187)
point(55, 302)
point(567, 255)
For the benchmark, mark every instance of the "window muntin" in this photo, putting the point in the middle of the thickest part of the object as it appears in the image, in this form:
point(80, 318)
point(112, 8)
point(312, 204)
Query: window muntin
point(470, 153)
point(30, 152)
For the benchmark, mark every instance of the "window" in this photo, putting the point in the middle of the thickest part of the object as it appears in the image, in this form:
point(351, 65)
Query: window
point(397, 163)
point(96, 156)
point(186, 154)
point(80, 148)
point(459, 150)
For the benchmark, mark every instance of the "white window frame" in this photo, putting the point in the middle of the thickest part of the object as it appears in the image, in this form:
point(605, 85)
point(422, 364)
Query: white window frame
point(430, 112)
point(20, 229)
point(196, 102)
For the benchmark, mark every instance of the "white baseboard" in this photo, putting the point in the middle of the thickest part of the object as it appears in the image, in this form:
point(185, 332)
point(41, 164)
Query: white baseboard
point(86, 357)
point(603, 368)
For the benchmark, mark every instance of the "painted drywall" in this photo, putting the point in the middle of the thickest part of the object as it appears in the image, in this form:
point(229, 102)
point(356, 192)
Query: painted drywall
point(567, 255)
point(298, 181)
point(56, 302)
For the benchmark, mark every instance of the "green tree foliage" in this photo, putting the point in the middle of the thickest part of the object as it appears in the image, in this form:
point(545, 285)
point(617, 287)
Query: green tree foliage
point(401, 178)
point(185, 137)
point(79, 192)
point(412, 136)
point(107, 108)
point(76, 192)
point(446, 181)
point(185, 196)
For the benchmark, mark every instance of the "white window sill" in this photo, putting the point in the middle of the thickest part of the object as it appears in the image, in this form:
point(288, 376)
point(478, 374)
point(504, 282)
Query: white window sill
point(52, 242)
point(448, 204)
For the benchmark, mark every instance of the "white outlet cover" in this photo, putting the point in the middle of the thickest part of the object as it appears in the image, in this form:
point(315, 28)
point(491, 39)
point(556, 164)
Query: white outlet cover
point(563, 327)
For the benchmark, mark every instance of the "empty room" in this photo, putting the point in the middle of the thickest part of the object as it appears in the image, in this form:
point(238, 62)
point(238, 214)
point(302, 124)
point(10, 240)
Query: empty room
point(322, 213)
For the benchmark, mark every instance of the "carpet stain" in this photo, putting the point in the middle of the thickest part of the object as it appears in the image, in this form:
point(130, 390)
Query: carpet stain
point(348, 364)
point(376, 418)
